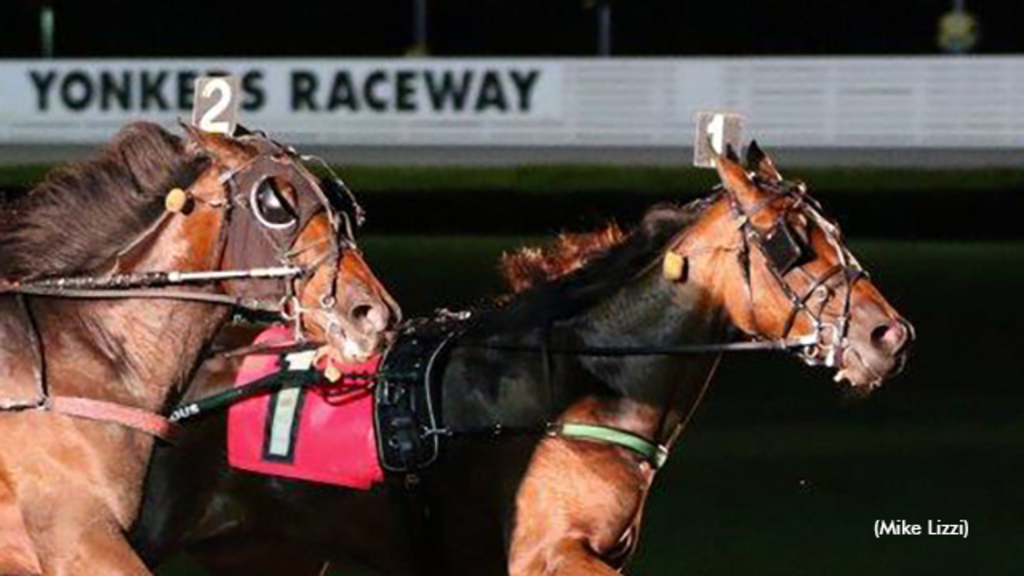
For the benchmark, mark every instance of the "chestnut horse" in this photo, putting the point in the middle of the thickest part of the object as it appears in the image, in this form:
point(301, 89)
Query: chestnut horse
point(583, 361)
point(115, 275)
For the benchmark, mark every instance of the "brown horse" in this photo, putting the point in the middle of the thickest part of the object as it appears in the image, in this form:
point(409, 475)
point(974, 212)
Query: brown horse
point(116, 274)
point(559, 405)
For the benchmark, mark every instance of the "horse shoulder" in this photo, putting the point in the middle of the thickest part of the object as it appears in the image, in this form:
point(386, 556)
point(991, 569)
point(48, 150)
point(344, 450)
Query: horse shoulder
point(17, 552)
point(20, 364)
point(575, 496)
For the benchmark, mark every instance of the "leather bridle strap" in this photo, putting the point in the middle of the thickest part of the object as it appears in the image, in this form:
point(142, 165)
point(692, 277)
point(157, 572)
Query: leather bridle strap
point(103, 411)
point(151, 285)
point(652, 349)
point(847, 267)
point(799, 302)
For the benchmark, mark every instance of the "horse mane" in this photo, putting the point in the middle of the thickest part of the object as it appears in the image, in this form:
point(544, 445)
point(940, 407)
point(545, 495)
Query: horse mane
point(81, 214)
point(579, 271)
point(529, 266)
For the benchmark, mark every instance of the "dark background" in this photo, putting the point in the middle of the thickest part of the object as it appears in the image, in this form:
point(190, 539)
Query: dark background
point(780, 473)
point(222, 28)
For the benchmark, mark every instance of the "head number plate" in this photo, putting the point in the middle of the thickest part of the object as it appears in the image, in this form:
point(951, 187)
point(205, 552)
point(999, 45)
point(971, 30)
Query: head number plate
point(216, 102)
point(715, 131)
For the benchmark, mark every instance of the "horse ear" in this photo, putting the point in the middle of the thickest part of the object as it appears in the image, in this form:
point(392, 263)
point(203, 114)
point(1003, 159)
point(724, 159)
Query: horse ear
point(761, 164)
point(223, 149)
point(736, 181)
point(731, 153)
point(198, 141)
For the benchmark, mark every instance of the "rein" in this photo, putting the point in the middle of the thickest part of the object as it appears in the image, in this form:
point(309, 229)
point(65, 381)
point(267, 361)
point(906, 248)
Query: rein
point(143, 285)
point(656, 350)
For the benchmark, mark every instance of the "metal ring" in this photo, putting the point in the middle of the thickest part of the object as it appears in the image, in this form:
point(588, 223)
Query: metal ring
point(291, 308)
point(822, 292)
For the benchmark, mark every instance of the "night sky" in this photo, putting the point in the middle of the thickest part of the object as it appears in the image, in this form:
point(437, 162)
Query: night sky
point(108, 28)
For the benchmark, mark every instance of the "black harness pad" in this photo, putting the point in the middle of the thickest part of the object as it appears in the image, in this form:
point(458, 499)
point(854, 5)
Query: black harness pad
point(407, 397)
point(783, 251)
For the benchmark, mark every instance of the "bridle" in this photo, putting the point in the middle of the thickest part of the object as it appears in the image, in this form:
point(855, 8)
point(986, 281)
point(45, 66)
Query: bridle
point(240, 226)
point(272, 161)
point(782, 252)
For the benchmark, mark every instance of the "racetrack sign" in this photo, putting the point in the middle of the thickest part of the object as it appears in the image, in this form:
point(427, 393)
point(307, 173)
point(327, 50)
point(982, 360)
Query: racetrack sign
point(216, 104)
point(715, 131)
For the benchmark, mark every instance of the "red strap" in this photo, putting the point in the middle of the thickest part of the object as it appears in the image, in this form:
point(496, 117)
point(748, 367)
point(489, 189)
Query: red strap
point(149, 422)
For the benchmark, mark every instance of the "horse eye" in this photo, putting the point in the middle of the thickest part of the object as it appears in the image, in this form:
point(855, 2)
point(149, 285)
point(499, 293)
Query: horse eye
point(271, 207)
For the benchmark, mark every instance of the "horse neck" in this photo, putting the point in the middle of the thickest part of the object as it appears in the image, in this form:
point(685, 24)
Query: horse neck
point(651, 395)
point(136, 351)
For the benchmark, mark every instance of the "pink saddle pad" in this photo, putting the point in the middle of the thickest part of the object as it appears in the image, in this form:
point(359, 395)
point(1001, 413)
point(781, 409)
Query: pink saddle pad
point(321, 434)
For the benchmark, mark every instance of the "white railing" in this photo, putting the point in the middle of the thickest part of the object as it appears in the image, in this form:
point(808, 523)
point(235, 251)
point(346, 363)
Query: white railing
point(940, 102)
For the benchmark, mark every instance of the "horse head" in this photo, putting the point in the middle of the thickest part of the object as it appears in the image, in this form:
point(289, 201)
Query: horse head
point(278, 214)
point(782, 272)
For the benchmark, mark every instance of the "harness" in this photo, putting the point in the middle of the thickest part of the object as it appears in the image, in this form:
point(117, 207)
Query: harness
point(408, 418)
point(409, 423)
point(244, 241)
point(407, 384)
point(824, 345)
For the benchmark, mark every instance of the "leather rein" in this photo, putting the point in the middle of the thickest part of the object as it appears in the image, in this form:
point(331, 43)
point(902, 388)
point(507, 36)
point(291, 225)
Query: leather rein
point(240, 186)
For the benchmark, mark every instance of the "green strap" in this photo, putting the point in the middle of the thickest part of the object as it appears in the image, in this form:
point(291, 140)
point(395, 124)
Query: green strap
point(656, 454)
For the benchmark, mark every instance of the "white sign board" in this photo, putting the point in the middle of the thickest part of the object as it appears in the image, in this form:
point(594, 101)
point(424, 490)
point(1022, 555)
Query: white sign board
point(319, 100)
point(937, 102)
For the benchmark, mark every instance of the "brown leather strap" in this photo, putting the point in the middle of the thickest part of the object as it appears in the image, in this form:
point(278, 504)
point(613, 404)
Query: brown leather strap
point(103, 411)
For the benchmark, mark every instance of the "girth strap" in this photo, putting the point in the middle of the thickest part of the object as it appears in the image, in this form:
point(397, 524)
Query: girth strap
point(654, 453)
point(103, 411)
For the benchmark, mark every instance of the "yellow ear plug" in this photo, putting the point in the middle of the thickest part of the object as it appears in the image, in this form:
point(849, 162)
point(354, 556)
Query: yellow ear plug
point(177, 200)
point(673, 267)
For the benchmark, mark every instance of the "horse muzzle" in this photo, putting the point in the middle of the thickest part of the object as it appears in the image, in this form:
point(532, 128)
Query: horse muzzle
point(362, 332)
point(874, 354)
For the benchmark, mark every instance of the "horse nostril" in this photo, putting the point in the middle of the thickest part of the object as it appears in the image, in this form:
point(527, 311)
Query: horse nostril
point(890, 336)
point(360, 312)
point(368, 314)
